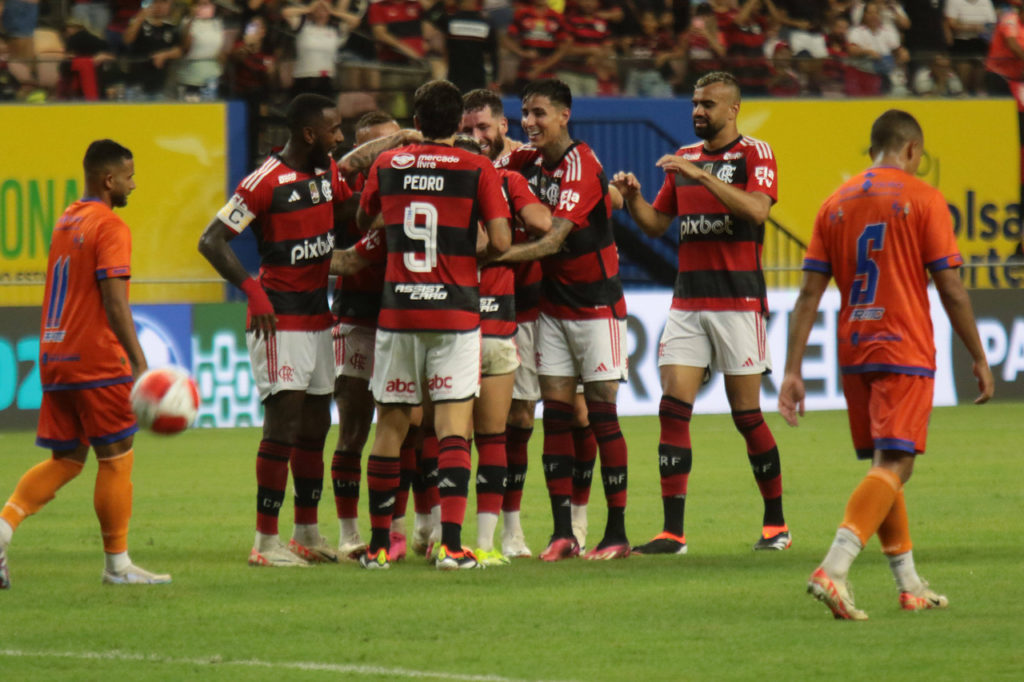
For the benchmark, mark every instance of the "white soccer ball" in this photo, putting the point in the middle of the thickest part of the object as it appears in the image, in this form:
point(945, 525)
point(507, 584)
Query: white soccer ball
point(165, 400)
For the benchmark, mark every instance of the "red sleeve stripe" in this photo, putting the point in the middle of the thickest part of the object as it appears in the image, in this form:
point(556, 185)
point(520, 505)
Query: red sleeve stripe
point(256, 177)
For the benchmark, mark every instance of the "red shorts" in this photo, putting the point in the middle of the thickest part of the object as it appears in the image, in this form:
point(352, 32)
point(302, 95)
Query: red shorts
point(96, 416)
point(888, 411)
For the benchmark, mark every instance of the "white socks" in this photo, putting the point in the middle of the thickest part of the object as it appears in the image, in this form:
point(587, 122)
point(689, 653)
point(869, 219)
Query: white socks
point(905, 573)
point(841, 554)
point(486, 523)
point(349, 533)
point(306, 534)
point(6, 533)
point(117, 563)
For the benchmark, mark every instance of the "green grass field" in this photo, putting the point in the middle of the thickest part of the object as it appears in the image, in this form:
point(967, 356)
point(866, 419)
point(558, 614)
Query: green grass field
point(720, 612)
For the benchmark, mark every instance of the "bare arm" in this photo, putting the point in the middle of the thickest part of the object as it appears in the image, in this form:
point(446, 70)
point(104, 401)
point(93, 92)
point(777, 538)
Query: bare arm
point(653, 222)
point(213, 244)
point(361, 158)
point(545, 246)
point(114, 291)
point(961, 315)
point(345, 211)
point(752, 206)
point(801, 319)
point(347, 262)
point(499, 237)
point(536, 219)
point(382, 35)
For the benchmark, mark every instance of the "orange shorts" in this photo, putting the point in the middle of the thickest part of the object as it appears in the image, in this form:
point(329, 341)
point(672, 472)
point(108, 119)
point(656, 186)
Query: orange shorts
point(96, 416)
point(888, 411)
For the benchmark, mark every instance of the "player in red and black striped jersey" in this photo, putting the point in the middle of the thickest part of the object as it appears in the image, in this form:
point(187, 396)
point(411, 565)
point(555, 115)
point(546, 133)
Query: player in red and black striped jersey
point(581, 331)
point(722, 191)
point(293, 202)
point(590, 60)
point(397, 27)
point(431, 197)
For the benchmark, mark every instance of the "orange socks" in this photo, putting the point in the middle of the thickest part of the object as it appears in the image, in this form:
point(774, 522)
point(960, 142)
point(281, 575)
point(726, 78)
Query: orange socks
point(37, 487)
point(112, 500)
point(894, 533)
point(871, 503)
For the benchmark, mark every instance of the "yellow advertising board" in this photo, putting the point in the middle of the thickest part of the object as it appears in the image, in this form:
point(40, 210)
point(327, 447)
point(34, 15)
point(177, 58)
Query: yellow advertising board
point(180, 154)
point(972, 155)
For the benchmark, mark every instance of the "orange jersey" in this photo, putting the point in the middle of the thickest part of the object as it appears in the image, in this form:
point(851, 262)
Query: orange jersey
point(877, 235)
point(78, 349)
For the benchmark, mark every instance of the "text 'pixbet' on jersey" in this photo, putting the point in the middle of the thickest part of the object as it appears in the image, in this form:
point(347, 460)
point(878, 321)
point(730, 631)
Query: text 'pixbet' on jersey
point(703, 225)
point(313, 250)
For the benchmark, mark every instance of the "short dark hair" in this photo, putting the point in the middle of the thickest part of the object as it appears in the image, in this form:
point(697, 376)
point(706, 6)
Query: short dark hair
point(723, 77)
point(374, 118)
point(552, 88)
point(102, 154)
point(437, 106)
point(893, 129)
point(482, 97)
point(306, 110)
point(467, 142)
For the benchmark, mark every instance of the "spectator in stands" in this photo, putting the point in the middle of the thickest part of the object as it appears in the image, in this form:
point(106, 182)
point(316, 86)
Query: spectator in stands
point(90, 70)
point(321, 29)
point(400, 29)
point(744, 27)
point(590, 60)
point(836, 40)
point(928, 33)
point(93, 15)
point(539, 37)
point(472, 45)
point(784, 80)
point(970, 23)
point(803, 22)
point(253, 75)
point(18, 21)
point(1005, 62)
point(123, 11)
point(205, 48)
point(152, 42)
point(649, 59)
point(892, 13)
point(938, 78)
point(879, 56)
point(703, 44)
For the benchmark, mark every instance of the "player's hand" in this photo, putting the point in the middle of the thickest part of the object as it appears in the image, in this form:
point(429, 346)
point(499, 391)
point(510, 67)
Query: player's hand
point(261, 313)
point(627, 184)
point(671, 163)
point(986, 384)
point(791, 398)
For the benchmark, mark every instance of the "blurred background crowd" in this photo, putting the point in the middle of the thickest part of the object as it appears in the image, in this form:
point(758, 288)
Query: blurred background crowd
point(369, 53)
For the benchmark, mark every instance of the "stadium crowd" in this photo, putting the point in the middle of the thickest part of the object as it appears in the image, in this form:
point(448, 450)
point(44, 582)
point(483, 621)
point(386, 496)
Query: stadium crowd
point(264, 51)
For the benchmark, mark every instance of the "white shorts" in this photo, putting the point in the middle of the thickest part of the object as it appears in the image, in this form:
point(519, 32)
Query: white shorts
point(499, 356)
point(526, 385)
point(292, 361)
point(353, 350)
point(448, 364)
point(731, 342)
point(593, 350)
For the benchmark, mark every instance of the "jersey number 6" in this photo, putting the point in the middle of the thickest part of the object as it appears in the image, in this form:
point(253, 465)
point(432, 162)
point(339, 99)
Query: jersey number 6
point(865, 282)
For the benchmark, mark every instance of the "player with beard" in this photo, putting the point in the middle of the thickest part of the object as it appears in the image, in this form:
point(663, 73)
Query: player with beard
point(89, 357)
point(581, 329)
point(293, 202)
point(722, 189)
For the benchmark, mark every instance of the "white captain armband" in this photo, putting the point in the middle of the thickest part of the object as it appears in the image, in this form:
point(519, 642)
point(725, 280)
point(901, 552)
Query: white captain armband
point(235, 214)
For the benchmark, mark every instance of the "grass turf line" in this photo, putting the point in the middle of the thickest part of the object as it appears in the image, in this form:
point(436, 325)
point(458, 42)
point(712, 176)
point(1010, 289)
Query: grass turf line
point(721, 612)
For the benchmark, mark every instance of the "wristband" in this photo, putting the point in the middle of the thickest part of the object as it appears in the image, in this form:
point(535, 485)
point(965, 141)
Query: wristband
point(259, 303)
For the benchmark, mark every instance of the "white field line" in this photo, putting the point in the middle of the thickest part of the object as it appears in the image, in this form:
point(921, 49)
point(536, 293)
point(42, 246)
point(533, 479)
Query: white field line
point(369, 670)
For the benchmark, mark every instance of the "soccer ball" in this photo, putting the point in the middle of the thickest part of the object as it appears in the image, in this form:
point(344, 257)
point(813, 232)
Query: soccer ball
point(165, 400)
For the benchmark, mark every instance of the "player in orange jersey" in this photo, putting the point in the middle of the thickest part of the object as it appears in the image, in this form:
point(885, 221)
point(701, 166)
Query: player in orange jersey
point(89, 356)
point(877, 235)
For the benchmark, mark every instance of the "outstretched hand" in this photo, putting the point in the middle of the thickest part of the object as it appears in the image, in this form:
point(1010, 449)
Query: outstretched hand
point(627, 184)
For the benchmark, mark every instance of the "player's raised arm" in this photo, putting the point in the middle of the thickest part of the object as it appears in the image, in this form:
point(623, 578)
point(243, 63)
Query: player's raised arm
point(748, 205)
point(653, 222)
point(362, 157)
point(961, 315)
point(801, 319)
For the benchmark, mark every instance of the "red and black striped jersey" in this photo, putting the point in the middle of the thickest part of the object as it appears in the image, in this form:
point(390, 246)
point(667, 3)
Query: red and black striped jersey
point(542, 30)
point(581, 281)
point(432, 196)
point(586, 31)
point(719, 253)
point(292, 217)
point(404, 20)
point(498, 303)
point(357, 297)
